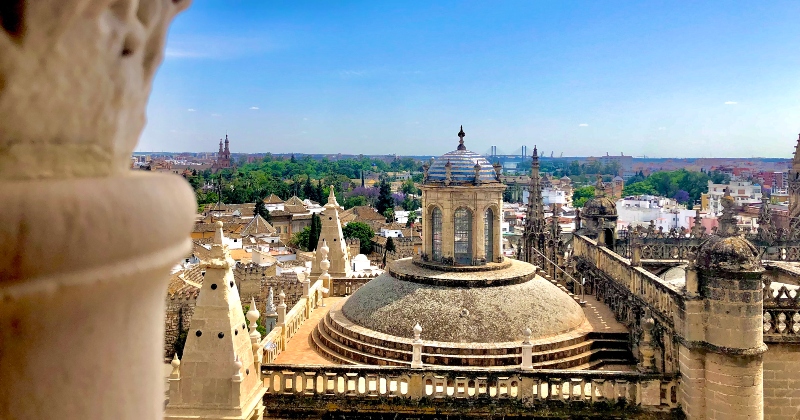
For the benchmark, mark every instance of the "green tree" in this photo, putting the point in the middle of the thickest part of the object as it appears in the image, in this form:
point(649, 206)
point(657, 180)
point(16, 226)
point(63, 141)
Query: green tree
point(638, 188)
point(355, 201)
point(389, 215)
point(385, 199)
point(409, 187)
point(412, 218)
point(316, 229)
point(388, 248)
point(363, 232)
point(301, 239)
point(581, 195)
point(261, 210)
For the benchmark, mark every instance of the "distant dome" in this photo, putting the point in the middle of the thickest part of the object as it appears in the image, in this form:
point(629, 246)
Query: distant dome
point(733, 253)
point(599, 206)
point(360, 258)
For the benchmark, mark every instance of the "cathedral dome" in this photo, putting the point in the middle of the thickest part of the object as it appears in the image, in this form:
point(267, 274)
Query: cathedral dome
point(462, 166)
point(490, 314)
point(732, 253)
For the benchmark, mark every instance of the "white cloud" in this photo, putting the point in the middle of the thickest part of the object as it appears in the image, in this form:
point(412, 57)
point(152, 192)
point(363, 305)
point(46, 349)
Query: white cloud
point(731, 103)
point(254, 107)
point(190, 110)
point(216, 115)
point(583, 125)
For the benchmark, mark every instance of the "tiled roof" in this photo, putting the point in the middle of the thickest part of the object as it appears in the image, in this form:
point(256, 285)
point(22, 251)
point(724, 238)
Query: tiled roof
point(273, 199)
point(257, 226)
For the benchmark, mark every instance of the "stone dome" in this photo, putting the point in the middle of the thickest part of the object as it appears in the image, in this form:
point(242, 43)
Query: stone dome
point(495, 314)
point(732, 253)
point(599, 206)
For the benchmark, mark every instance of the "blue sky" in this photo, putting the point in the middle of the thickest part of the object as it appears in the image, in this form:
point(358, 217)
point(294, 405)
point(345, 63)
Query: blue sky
point(662, 79)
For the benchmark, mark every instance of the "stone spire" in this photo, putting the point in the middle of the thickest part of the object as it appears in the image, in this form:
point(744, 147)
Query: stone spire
point(727, 222)
point(599, 187)
point(461, 136)
point(220, 148)
point(766, 230)
point(331, 233)
point(218, 375)
point(227, 145)
point(534, 219)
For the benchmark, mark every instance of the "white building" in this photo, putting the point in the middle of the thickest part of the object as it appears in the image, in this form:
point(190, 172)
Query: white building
point(743, 193)
point(665, 213)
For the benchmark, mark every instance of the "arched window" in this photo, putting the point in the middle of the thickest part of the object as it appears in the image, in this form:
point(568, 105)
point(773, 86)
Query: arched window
point(436, 234)
point(462, 224)
point(488, 228)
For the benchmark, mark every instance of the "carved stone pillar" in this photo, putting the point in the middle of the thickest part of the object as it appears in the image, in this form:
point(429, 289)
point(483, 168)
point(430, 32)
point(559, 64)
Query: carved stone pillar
point(85, 244)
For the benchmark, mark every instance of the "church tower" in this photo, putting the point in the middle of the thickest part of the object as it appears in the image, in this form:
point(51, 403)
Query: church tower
point(219, 376)
point(331, 233)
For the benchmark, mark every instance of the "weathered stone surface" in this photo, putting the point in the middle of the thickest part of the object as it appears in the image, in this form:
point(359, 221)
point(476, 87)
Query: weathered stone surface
point(480, 315)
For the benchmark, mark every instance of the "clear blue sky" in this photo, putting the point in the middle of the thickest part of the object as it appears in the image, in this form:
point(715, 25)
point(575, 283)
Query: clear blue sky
point(663, 79)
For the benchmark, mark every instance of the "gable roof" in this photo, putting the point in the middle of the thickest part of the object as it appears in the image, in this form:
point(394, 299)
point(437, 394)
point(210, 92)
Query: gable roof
point(294, 205)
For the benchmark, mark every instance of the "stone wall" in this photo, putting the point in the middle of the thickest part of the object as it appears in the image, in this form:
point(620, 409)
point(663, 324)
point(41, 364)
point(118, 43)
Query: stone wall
point(782, 382)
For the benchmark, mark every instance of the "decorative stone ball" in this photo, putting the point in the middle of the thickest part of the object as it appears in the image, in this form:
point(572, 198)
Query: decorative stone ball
point(218, 224)
point(325, 265)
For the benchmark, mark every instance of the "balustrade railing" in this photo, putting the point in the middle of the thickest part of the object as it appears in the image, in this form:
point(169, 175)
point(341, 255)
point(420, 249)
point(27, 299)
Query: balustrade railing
point(781, 313)
point(528, 387)
point(275, 341)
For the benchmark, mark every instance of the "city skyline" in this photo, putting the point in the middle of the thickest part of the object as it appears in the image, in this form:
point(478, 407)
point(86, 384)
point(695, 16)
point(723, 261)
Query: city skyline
point(579, 78)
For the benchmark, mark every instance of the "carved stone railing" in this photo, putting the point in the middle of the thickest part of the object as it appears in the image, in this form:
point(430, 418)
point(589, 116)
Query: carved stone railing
point(274, 343)
point(310, 388)
point(781, 314)
point(682, 248)
point(631, 293)
point(659, 296)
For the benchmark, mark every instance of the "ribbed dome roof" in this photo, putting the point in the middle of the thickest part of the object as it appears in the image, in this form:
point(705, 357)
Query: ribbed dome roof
point(462, 166)
point(465, 314)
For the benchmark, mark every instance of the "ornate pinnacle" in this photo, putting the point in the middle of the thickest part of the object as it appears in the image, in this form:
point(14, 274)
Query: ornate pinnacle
point(461, 136)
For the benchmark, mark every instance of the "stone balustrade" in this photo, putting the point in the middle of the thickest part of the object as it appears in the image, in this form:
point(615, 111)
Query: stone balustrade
point(661, 297)
point(275, 341)
point(781, 314)
point(290, 386)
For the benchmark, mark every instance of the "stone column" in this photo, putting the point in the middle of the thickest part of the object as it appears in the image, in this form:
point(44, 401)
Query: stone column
point(416, 355)
point(722, 334)
point(86, 243)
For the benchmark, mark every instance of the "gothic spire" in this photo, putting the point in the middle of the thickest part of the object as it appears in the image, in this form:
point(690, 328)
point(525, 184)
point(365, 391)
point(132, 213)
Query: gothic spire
point(534, 219)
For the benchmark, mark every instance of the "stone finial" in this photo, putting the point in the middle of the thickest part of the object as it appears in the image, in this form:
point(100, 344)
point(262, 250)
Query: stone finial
point(599, 187)
point(498, 170)
point(270, 308)
point(218, 233)
point(332, 198)
point(448, 172)
point(526, 334)
point(237, 366)
point(727, 222)
point(477, 173)
point(252, 316)
point(417, 332)
point(425, 168)
point(325, 264)
point(282, 299)
point(176, 367)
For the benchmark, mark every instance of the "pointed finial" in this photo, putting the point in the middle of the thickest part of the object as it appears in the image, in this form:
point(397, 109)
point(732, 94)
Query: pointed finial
point(270, 309)
point(218, 233)
point(237, 365)
point(252, 316)
point(332, 197)
point(417, 331)
point(461, 136)
point(176, 367)
point(281, 298)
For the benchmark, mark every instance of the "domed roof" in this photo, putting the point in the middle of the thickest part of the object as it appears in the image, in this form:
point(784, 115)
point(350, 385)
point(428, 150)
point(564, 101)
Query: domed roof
point(493, 314)
point(462, 165)
point(732, 253)
point(599, 206)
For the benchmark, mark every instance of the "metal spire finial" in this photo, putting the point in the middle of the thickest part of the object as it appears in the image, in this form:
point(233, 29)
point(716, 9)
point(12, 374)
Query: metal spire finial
point(461, 136)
